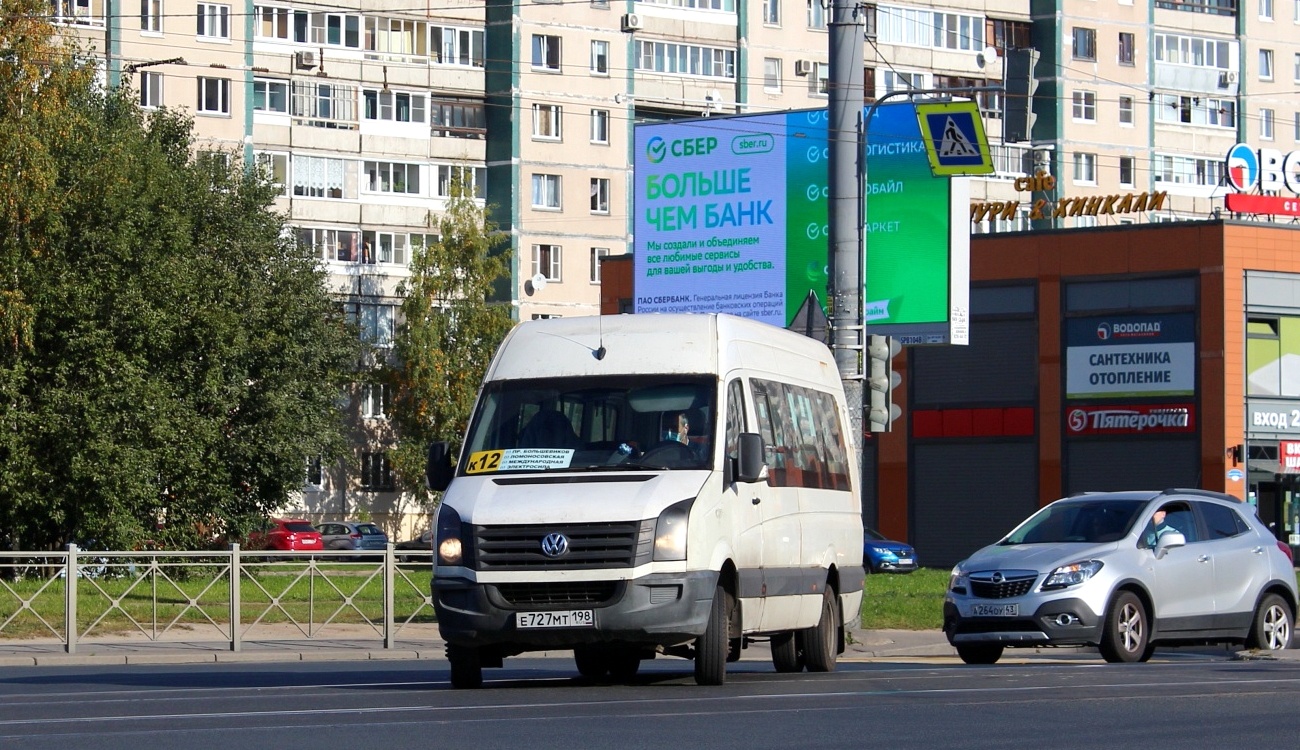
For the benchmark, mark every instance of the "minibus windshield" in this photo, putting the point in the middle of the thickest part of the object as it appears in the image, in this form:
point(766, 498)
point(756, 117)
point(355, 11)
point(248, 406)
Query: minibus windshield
point(650, 422)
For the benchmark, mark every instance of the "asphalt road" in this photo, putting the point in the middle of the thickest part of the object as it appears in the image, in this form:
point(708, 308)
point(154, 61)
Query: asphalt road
point(1184, 701)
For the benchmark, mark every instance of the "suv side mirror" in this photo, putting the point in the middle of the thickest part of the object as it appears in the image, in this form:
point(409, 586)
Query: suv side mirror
point(438, 469)
point(749, 458)
point(1168, 541)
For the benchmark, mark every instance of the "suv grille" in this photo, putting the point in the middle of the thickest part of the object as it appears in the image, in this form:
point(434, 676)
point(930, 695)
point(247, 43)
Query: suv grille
point(590, 546)
point(557, 595)
point(1006, 586)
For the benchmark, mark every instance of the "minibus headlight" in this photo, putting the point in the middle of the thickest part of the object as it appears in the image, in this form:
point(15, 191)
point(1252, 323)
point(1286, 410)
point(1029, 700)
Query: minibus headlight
point(670, 531)
point(447, 543)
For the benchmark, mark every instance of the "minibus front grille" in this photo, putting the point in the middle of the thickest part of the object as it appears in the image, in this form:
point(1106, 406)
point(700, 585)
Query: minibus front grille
point(557, 594)
point(586, 546)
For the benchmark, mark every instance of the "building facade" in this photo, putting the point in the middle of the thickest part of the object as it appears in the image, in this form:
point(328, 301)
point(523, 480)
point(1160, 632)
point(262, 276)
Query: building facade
point(365, 113)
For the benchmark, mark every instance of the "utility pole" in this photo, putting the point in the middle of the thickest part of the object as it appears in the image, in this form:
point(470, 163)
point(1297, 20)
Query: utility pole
point(845, 252)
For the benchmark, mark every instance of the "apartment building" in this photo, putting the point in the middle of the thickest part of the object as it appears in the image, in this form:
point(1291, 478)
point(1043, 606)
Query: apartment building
point(365, 112)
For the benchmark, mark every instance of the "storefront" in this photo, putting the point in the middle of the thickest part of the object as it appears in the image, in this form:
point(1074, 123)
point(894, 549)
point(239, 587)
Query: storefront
point(1125, 357)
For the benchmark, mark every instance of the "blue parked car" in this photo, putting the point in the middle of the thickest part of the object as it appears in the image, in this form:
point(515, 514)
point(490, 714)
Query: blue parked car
point(884, 555)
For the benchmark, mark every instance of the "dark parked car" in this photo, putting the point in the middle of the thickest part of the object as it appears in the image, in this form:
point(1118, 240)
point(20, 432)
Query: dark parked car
point(353, 535)
point(884, 555)
point(286, 534)
point(422, 544)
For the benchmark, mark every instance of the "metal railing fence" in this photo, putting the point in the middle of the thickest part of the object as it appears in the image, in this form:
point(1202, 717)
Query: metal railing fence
point(78, 595)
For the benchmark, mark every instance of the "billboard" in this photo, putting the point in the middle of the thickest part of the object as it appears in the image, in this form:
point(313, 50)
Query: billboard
point(1127, 356)
point(731, 215)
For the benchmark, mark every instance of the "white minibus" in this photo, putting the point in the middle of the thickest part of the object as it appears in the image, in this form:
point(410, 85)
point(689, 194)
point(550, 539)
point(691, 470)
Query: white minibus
point(637, 486)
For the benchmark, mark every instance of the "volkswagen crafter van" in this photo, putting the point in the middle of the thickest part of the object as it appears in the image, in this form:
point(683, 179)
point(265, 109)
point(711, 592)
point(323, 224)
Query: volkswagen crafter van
point(638, 486)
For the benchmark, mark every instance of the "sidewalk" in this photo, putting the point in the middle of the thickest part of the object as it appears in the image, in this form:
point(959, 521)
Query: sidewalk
point(359, 643)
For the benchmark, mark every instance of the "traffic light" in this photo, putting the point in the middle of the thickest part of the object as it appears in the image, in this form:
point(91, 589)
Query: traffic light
point(1020, 84)
point(882, 380)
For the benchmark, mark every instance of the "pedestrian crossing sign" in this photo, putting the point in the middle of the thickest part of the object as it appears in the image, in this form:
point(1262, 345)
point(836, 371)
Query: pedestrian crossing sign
point(954, 138)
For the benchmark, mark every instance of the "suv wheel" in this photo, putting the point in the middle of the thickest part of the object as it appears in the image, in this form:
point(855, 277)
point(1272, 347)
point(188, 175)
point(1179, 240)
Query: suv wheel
point(980, 653)
point(1272, 627)
point(1124, 638)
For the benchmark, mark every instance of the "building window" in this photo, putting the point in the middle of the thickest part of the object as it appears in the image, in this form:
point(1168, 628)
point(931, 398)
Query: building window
point(1126, 171)
point(597, 255)
point(374, 401)
point(600, 58)
point(271, 23)
point(546, 261)
point(1126, 110)
point(330, 244)
point(276, 168)
point(546, 121)
point(546, 191)
point(1295, 74)
point(77, 12)
point(1266, 10)
point(546, 52)
point(394, 106)
point(820, 81)
point(1085, 43)
point(600, 195)
point(1187, 170)
point(315, 478)
point(151, 92)
point(213, 21)
point(392, 177)
point(817, 14)
point(1195, 51)
point(1085, 168)
point(772, 12)
point(374, 321)
point(1085, 106)
point(214, 96)
point(386, 247)
point(1126, 48)
point(1297, 127)
point(472, 178)
point(270, 96)
point(600, 126)
point(451, 45)
point(324, 105)
point(1266, 124)
point(686, 59)
point(1266, 65)
point(772, 74)
point(317, 177)
point(376, 474)
point(151, 16)
point(1005, 35)
point(457, 118)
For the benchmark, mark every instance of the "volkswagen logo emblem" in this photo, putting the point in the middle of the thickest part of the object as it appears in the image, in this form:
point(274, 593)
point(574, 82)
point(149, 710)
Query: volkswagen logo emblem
point(555, 544)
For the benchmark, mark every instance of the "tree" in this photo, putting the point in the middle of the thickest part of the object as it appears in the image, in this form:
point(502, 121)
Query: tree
point(449, 332)
point(169, 358)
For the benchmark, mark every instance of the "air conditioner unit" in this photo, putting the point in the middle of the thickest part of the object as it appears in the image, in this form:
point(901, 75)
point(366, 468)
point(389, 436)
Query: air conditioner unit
point(1228, 77)
point(305, 60)
point(803, 67)
point(631, 22)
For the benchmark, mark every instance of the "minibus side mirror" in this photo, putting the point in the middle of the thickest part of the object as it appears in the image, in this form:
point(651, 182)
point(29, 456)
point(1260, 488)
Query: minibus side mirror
point(749, 458)
point(438, 470)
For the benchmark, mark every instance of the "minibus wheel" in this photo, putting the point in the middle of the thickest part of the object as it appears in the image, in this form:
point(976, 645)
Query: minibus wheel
point(712, 647)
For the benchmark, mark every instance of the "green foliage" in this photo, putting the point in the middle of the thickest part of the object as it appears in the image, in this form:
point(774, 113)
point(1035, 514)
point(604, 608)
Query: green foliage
point(450, 331)
point(169, 358)
point(911, 601)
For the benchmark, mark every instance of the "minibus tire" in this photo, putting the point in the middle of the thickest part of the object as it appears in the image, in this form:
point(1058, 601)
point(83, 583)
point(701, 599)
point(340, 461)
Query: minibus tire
point(819, 642)
point(712, 646)
point(591, 662)
point(466, 667)
point(785, 652)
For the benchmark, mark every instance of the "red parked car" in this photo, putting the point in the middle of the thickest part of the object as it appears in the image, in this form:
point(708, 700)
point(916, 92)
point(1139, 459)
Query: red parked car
point(287, 534)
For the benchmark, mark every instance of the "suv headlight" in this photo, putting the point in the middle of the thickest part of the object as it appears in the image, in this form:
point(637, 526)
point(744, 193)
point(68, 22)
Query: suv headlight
point(1072, 574)
point(957, 580)
point(670, 531)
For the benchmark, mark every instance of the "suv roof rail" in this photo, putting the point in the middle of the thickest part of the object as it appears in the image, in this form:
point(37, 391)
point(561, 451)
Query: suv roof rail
point(1200, 493)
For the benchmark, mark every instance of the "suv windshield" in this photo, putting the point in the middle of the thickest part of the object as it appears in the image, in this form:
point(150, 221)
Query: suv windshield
point(593, 423)
point(1087, 521)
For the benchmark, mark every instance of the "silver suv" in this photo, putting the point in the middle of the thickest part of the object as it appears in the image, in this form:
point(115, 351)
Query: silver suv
point(1125, 571)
